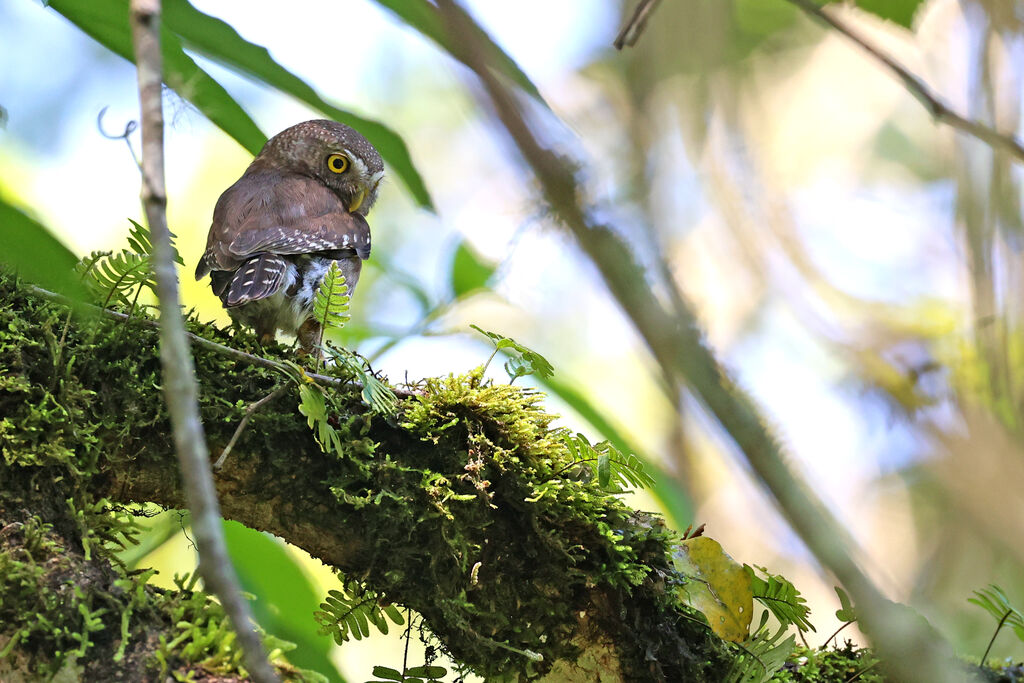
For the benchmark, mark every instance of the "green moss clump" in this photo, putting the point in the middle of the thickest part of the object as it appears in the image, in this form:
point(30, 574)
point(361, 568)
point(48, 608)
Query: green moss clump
point(487, 531)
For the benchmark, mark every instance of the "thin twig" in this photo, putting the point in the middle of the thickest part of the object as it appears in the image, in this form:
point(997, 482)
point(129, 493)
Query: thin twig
point(837, 632)
point(673, 335)
point(129, 128)
point(181, 391)
point(939, 110)
point(634, 28)
point(253, 407)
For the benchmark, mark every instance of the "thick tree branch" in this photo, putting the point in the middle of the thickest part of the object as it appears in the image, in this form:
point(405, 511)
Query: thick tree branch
point(180, 390)
point(673, 335)
point(455, 507)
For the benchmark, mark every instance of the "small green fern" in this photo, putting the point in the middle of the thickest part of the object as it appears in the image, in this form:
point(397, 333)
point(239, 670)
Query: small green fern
point(121, 276)
point(376, 394)
point(994, 601)
point(330, 305)
point(764, 653)
point(349, 613)
point(313, 404)
point(522, 360)
point(780, 597)
point(615, 470)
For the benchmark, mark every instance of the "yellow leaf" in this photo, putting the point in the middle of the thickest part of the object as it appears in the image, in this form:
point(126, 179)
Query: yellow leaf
point(717, 586)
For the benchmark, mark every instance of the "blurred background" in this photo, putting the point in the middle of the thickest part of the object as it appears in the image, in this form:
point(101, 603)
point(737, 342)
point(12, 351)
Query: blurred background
point(857, 266)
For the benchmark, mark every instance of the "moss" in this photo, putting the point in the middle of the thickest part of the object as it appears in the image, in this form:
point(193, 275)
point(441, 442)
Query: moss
point(465, 506)
point(66, 604)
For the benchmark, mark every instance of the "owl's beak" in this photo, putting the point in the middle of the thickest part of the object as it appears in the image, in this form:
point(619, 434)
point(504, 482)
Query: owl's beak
point(357, 201)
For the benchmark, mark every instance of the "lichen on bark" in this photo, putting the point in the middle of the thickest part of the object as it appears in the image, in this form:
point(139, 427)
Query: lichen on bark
point(463, 506)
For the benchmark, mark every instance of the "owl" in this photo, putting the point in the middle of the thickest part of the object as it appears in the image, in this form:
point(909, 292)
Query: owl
point(300, 205)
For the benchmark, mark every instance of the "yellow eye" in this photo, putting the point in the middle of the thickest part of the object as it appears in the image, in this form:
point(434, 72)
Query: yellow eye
point(338, 163)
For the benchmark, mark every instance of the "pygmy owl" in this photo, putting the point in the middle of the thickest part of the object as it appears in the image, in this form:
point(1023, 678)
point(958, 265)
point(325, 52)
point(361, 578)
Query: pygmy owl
point(300, 205)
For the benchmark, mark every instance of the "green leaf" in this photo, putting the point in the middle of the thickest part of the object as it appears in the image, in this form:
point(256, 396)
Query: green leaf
point(423, 17)
point(387, 673)
point(846, 612)
point(615, 470)
point(140, 240)
point(284, 598)
point(36, 254)
point(900, 12)
point(432, 672)
point(717, 586)
point(469, 271)
point(217, 40)
point(106, 21)
point(604, 470)
point(394, 614)
point(762, 656)
point(994, 601)
point(311, 404)
point(349, 612)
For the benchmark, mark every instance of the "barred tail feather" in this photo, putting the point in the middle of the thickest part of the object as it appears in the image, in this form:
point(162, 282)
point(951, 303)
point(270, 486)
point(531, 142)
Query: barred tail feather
point(257, 278)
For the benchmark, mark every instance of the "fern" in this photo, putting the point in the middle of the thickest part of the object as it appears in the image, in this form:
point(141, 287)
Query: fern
point(377, 395)
point(780, 597)
point(349, 613)
point(763, 655)
point(615, 471)
point(330, 305)
point(994, 601)
point(524, 360)
point(121, 276)
point(140, 241)
point(313, 404)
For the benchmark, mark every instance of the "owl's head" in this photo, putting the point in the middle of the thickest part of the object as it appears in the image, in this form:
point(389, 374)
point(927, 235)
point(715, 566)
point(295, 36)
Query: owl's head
point(333, 153)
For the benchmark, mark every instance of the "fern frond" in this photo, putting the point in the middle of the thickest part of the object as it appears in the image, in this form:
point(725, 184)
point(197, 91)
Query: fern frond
point(780, 597)
point(994, 601)
point(763, 655)
point(330, 305)
point(524, 360)
point(115, 277)
point(313, 404)
point(377, 395)
point(349, 613)
point(615, 470)
point(141, 242)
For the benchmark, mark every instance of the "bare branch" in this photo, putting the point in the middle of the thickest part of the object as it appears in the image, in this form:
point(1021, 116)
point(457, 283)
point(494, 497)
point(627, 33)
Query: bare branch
point(939, 110)
point(634, 28)
point(253, 407)
point(180, 389)
point(673, 336)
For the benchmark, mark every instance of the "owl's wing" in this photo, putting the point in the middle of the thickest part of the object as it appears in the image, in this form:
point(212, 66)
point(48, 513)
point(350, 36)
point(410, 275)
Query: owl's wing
point(280, 214)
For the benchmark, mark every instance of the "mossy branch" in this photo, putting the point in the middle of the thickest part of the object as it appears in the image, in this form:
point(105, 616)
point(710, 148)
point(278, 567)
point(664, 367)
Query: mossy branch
point(449, 507)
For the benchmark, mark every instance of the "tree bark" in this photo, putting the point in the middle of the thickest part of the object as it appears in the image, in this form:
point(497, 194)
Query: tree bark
point(457, 506)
